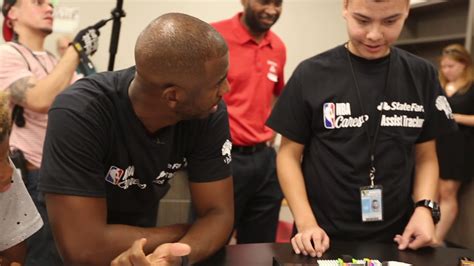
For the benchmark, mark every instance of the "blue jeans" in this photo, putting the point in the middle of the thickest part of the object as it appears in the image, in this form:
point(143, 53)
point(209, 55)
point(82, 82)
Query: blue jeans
point(41, 246)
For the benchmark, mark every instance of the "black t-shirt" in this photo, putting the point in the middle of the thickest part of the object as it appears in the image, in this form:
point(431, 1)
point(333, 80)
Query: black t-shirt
point(463, 103)
point(320, 109)
point(96, 146)
point(371, 79)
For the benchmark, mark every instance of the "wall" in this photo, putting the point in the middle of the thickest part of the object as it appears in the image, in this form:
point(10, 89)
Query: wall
point(306, 26)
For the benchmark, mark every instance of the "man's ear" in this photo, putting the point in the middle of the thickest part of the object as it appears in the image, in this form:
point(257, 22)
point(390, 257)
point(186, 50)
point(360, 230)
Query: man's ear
point(170, 95)
point(344, 11)
point(12, 13)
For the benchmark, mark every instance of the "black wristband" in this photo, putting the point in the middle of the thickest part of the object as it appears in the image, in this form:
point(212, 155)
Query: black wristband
point(77, 46)
point(184, 261)
point(432, 206)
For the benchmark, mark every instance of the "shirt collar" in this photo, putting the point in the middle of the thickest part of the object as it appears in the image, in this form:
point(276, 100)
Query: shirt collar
point(244, 36)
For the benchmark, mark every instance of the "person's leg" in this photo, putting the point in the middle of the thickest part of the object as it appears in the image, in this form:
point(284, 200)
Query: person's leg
point(41, 248)
point(243, 173)
point(259, 222)
point(448, 191)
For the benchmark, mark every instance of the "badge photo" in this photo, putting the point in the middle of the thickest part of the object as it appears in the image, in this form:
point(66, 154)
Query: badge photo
point(371, 204)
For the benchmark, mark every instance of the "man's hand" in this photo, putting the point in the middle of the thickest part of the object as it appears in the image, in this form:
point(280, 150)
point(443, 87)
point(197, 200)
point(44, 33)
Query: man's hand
point(419, 231)
point(4, 261)
point(164, 255)
point(311, 241)
point(86, 41)
point(169, 254)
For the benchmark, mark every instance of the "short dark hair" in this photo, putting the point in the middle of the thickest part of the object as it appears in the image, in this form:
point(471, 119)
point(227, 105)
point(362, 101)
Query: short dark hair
point(178, 43)
point(7, 29)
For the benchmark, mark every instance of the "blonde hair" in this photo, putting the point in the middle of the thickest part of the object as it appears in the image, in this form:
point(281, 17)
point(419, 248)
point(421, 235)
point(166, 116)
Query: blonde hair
point(5, 119)
point(459, 54)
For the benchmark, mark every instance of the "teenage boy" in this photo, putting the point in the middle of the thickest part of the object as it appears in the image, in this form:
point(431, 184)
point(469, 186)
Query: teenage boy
point(358, 124)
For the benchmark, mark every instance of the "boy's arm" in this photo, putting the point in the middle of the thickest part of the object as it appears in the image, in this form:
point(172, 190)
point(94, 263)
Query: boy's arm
point(293, 186)
point(419, 231)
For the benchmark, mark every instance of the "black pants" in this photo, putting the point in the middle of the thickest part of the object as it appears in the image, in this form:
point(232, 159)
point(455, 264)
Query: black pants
point(41, 246)
point(257, 196)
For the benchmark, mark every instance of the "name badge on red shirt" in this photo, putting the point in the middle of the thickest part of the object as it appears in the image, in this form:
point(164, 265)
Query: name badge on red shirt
point(272, 71)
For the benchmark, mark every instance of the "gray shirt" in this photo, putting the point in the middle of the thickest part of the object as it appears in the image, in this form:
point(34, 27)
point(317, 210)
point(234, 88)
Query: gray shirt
point(19, 218)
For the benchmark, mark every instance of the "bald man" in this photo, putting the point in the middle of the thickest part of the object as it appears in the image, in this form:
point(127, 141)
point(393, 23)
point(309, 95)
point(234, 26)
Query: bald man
point(115, 139)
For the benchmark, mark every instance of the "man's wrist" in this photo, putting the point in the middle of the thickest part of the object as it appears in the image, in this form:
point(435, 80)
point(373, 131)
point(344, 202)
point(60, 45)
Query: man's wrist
point(77, 47)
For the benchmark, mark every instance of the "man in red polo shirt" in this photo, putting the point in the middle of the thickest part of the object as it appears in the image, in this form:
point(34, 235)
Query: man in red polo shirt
point(257, 58)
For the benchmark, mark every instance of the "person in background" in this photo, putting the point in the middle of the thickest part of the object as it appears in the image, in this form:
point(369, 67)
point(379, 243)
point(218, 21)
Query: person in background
point(358, 124)
point(19, 217)
point(257, 57)
point(115, 139)
point(33, 78)
point(85, 66)
point(455, 150)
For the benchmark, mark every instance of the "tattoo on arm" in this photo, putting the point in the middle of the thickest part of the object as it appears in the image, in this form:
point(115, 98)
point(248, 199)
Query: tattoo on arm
point(18, 90)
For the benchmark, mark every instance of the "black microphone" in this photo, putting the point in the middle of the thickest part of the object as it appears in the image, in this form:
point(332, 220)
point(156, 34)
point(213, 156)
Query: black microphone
point(85, 63)
point(101, 23)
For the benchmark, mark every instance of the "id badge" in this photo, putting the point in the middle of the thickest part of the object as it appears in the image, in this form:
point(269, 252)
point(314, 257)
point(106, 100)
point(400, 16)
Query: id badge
point(371, 204)
point(272, 76)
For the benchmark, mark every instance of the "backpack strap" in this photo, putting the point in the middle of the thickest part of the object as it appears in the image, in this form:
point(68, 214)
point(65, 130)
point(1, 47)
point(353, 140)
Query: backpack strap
point(17, 112)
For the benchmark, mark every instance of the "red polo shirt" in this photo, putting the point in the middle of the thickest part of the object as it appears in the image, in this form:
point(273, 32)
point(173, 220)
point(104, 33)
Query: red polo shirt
point(255, 76)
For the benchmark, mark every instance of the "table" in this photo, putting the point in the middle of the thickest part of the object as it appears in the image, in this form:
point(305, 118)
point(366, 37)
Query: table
point(262, 254)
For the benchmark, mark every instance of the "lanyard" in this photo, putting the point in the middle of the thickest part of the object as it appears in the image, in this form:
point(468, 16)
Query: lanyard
point(36, 58)
point(372, 142)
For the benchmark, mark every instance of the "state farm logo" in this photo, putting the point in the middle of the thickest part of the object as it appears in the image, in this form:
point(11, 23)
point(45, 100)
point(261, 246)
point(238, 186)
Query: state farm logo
point(398, 106)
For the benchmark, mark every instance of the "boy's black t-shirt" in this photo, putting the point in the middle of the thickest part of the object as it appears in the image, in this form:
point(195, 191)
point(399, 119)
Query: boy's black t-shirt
point(97, 147)
point(320, 109)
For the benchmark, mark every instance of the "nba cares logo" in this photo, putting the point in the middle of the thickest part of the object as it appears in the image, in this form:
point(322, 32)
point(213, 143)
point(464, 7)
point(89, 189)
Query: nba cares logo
point(123, 179)
point(329, 115)
point(114, 175)
point(339, 115)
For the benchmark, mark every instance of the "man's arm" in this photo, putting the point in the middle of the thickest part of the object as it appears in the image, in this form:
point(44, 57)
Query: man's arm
point(38, 95)
point(83, 236)
point(214, 205)
point(292, 183)
point(15, 254)
point(419, 231)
